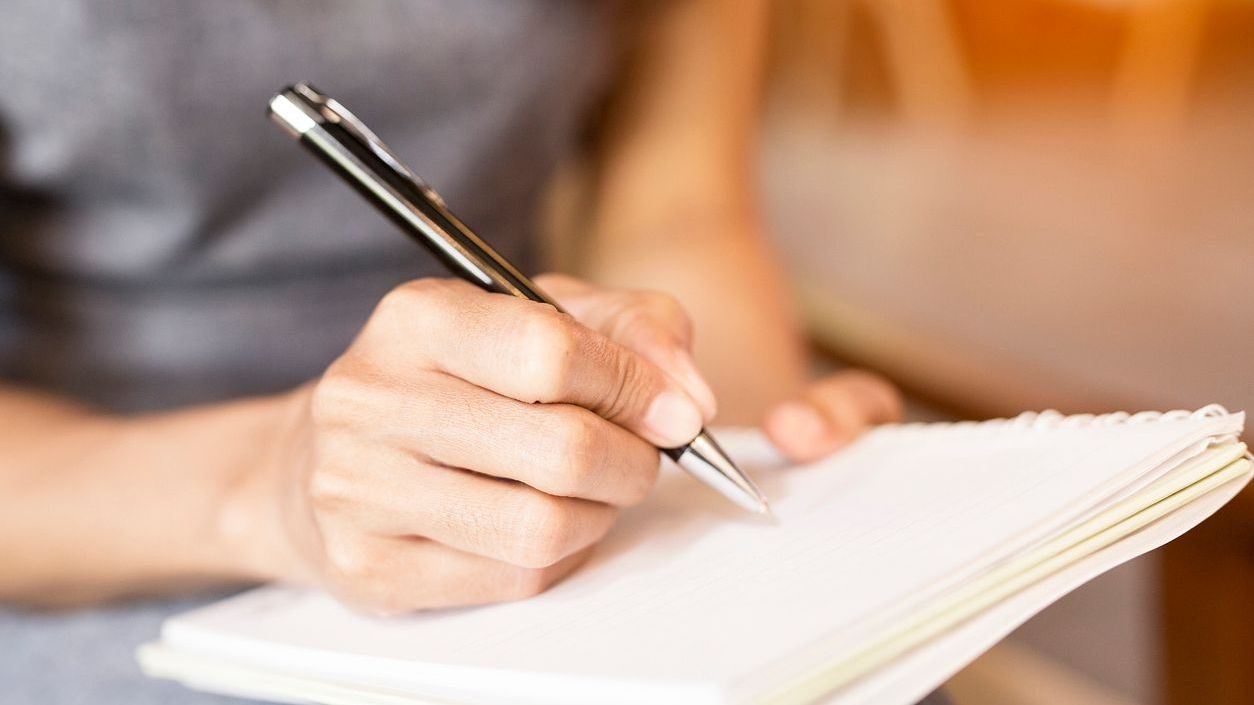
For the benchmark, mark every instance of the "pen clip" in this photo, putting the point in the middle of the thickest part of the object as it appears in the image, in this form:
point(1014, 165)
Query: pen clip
point(334, 111)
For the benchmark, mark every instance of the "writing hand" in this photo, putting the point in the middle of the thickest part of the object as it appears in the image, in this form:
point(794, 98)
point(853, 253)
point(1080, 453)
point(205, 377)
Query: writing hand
point(471, 447)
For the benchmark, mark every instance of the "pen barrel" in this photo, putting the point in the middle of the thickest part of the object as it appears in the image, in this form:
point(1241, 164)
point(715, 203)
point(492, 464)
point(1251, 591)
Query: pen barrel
point(415, 209)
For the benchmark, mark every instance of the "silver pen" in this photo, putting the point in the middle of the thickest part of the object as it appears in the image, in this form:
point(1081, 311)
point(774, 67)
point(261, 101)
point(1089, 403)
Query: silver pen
point(353, 151)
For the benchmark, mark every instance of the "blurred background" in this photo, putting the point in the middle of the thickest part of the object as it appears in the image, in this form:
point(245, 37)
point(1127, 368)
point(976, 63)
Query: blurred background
point(1020, 204)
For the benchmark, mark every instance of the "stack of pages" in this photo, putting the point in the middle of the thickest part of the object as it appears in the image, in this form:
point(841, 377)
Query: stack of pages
point(890, 566)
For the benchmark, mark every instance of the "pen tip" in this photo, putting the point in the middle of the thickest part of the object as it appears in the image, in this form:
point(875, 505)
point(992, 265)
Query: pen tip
point(764, 510)
point(704, 459)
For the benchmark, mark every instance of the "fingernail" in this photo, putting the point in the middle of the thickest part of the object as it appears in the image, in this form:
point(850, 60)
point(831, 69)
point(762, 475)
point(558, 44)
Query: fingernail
point(696, 386)
point(673, 418)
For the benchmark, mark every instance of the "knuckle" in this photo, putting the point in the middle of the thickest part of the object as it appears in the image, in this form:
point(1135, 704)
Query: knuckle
point(328, 490)
point(353, 571)
point(576, 452)
point(362, 572)
point(631, 388)
point(550, 341)
point(401, 299)
point(347, 560)
point(332, 393)
point(416, 292)
point(420, 303)
point(543, 531)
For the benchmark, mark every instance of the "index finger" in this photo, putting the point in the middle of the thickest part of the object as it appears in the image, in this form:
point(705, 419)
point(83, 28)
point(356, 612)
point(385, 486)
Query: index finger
point(534, 353)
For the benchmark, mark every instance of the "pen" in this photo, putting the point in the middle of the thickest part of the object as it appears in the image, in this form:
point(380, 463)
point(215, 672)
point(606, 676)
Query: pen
point(352, 150)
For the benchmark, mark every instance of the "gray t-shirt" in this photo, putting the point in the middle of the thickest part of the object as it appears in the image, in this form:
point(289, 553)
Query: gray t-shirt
point(161, 243)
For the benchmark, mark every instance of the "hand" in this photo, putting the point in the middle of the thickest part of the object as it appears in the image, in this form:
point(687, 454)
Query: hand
point(471, 447)
point(831, 413)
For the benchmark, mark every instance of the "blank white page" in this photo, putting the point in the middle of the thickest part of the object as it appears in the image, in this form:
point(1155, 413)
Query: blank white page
point(687, 598)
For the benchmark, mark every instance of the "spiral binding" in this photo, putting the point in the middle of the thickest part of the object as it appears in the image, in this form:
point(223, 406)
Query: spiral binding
point(1051, 419)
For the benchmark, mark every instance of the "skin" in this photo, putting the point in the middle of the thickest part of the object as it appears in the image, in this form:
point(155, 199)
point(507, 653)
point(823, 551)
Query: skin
point(467, 447)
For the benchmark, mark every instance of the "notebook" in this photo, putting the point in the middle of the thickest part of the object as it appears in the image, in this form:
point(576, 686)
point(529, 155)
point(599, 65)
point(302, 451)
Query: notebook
point(890, 566)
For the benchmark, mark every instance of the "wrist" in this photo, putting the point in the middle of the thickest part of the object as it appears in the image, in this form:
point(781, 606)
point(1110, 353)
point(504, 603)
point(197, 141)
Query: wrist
point(247, 533)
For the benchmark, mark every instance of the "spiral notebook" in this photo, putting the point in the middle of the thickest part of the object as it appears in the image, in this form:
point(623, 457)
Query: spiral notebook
point(891, 565)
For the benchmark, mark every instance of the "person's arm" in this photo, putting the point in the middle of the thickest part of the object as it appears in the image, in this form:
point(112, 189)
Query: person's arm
point(676, 210)
point(467, 447)
point(94, 506)
point(676, 204)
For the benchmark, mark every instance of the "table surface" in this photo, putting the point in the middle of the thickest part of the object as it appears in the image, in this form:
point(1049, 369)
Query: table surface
point(1012, 276)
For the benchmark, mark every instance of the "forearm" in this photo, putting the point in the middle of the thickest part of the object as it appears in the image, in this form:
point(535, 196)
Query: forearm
point(94, 507)
point(675, 202)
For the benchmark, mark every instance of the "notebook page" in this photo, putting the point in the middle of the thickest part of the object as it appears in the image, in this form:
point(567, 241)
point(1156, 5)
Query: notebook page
point(895, 513)
point(1181, 467)
point(903, 682)
point(922, 671)
point(981, 594)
